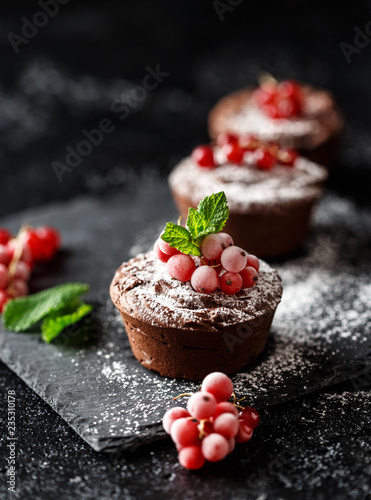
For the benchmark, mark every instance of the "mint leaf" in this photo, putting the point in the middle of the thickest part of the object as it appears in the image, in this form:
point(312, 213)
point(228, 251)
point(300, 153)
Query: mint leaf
point(179, 237)
point(210, 217)
point(23, 312)
point(53, 324)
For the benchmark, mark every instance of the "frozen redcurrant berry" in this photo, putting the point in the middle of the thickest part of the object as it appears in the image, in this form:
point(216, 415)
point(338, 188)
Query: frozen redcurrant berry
point(5, 236)
point(4, 297)
point(201, 405)
point(3, 277)
point(181, 267)
point(219, 385)
point(233, 152)
point(251, 416)
point(226, 138)
point(230, 283)
point(172, 415)
point(160, 255)
point(204, 156)
point(253, 261)
point(234, 259)
point(190, 457)
point(249, 276)
point(215, 447)
point(212, 246)
point(264, 159)
point(205, 279)
point(166, 248)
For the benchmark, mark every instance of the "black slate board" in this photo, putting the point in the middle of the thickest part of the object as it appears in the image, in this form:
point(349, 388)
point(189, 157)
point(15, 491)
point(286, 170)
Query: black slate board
point(321, 334)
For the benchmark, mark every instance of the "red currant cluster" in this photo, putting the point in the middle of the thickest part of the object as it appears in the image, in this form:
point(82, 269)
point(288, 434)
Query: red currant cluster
point(18, 256)
point(222, 265)
point(279, 100)
point(243, 150)
point(211, 425)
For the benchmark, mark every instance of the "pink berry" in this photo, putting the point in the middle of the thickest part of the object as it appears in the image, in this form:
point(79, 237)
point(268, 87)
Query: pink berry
point(227, 239)
point(253, 261)
point(225, 407)
point(230, 283)
point(245, 431)
point(219, 385)
point(19, 288)
point(232, 444)
point(234, 259)
point(181, 267)
point(172, 415)
point(251, 416)
point(4, 297)
point(166, 248)
point(204, 156)
point(3, 277)
point(26, 254)
point(160, 255)
point(201, 405)
point(215, 447)
point(226, 425)
point(212, 247)
point(249, 276)
point(22, 271)
point(5, 255)
point(184, 431)
point(205, 279)
point(191, 457)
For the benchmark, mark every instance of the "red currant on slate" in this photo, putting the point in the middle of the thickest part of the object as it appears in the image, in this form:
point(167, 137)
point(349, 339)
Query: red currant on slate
point(204, 156)
point(251, 416)
point(245, 431)
point(215, 447)
point(225, 407)
point(184, 431)
point(35, 244)
point(190, 457)
point(5, 236)
point(226, 138)
point(5, 255)
point(172, 415)
point(201, 405)
point(219, 385)
point(233, 153)
point(264, 159)
point(226, 425)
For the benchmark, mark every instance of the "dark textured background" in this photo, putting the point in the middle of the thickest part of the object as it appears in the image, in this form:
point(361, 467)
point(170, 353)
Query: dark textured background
point(64, 80)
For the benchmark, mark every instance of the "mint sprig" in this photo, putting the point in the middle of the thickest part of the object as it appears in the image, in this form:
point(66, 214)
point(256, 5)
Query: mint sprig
point(210, 217)
point(49, 305)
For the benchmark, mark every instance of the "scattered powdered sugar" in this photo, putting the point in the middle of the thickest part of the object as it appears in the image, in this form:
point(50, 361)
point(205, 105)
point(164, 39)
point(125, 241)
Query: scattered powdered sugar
point(248, 187)
point(144, 289)
point(319, 121)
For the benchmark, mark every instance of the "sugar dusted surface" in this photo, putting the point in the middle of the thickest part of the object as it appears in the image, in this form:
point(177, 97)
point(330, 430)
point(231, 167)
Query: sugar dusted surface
point(143, 289)
point(247, 187)
point(320, 120)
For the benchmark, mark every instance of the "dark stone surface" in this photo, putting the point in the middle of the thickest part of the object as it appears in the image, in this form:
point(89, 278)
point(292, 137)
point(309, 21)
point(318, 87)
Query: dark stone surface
point(65, 80)
point(320, 335)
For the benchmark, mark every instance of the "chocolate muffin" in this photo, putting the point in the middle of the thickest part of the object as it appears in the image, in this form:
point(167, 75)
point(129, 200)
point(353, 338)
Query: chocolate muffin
point(269, 209)
point(313, 128)
point(181, 333)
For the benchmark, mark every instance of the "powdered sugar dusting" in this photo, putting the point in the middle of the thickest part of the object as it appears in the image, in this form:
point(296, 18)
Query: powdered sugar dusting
point(247, 187)
point(144, 289)
point(319, 121)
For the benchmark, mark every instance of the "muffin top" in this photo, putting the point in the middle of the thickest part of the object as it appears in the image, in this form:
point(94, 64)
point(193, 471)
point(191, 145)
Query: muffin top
point(238, 113)
point(247, 187)
point(143, 289)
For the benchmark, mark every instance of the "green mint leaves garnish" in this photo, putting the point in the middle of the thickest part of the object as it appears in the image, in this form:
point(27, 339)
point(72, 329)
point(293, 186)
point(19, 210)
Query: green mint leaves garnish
point(210, 217)
point(179, 237)
point(56, 306)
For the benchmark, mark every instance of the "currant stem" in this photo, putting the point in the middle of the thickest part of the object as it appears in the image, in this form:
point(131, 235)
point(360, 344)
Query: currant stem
point(181, 395)
point(18, 248)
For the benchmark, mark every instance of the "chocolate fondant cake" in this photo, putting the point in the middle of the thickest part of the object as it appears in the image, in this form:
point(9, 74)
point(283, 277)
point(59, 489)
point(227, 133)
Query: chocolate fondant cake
point(269, 210)
point(179, 332)
point(315, 132)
